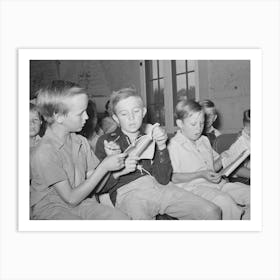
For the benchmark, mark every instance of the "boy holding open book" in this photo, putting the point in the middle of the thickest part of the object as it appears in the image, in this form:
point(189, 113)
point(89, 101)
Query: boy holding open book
point(142, 189)
point(195, 164)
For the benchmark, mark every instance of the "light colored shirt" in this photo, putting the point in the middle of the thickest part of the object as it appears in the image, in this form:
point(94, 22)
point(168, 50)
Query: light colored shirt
point(52, 162)
point(187, 156)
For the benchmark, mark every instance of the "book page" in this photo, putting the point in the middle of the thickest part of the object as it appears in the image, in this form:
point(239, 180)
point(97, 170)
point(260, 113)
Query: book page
point(231, 167)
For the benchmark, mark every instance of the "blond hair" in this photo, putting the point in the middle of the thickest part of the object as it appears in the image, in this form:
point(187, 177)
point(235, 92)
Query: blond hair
point(51, 99)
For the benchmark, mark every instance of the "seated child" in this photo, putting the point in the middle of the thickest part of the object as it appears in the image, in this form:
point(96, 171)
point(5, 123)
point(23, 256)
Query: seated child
point(142, 189)
point(91, 130)
point(242, 174)
point(108, 124)
point(210, 117)
point(194, 165)
point(63, 168)
point(35, 123)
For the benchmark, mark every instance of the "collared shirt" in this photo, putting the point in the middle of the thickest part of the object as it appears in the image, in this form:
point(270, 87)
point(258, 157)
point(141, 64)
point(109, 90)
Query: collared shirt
point(53, 161)
point(188, 157)
point(159, 167)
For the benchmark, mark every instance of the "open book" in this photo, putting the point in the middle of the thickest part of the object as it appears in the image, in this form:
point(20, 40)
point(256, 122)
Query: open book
point(226, 171)
point(144, 146)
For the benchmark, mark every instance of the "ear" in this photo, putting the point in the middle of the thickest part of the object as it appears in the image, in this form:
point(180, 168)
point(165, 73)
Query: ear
point(215, 118)
point(115, 118)
point(144, 112)
point(59, 118)
point(179, 123)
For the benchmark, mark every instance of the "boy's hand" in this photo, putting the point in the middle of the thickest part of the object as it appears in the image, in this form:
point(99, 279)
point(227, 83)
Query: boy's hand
point(211, 176)
point(130, 165)
point(111, 148)
point(113, 162)
point(160, 136)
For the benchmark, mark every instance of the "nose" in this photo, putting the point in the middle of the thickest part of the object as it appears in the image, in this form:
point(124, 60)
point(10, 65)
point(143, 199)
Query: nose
point(85, 116)
point(131, 116)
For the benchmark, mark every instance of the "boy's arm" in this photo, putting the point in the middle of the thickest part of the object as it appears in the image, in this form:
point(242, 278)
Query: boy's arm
point(74, 196)
point(209, 175)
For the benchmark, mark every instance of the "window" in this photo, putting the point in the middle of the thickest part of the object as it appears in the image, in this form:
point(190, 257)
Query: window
point(155, 91)
point(165, 83)
point(183, 80)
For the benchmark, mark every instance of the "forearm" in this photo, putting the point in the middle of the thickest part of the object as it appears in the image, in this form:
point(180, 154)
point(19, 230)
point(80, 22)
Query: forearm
point(185, 177)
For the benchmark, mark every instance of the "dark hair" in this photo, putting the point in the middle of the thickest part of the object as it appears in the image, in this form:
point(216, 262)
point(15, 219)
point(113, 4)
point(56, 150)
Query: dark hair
point(207, 103)
point(91, 124)
point(184, 108)
point(246, 117)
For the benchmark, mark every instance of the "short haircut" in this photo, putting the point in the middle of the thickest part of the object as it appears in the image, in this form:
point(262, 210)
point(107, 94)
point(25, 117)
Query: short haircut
point(51, 99)
point(186, 108)
point(121, 94)
point(207, 103)
point(246, 117)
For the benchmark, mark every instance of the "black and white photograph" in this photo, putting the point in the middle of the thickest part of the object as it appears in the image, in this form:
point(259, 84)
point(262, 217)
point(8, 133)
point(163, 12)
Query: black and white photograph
point(154, 139)
point(139, 140)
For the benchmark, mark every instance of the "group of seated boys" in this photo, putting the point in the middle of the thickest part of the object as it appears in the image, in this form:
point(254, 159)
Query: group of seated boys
point(70, 180)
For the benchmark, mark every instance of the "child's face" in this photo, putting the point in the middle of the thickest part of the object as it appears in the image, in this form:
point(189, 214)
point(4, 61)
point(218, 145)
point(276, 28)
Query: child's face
point(210, 117)
point(77, 115)
point(192, 126)
point(34, 123)
point(129, 114)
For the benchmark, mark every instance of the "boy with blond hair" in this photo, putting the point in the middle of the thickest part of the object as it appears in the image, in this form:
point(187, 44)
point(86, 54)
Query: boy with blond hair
point(64, 171)
point(142, 188)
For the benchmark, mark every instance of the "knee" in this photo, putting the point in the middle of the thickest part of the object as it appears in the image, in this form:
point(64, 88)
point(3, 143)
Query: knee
point(213, 212)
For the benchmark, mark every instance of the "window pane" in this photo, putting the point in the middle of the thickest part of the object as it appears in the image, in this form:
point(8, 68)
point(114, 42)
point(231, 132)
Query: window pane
point(161, 69)
point(181, 82)
point(191, 65)
point(155, 72)
point(180, 66)
point(191, 85)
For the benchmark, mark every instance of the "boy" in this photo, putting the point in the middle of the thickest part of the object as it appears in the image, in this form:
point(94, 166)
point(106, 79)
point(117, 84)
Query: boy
point(142, 189)
point(63, 169)
point(195, 164)
point(35, 123)
point(210, 117)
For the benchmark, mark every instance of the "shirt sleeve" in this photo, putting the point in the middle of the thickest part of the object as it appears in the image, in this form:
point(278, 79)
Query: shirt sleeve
point(47, 167)
point(174, 157)
point(162, 168)
point(92, 160)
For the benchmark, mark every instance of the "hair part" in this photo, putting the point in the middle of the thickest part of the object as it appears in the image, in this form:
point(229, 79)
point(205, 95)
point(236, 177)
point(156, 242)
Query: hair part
point(51, 99)
point(122, 94)
point(186, 108)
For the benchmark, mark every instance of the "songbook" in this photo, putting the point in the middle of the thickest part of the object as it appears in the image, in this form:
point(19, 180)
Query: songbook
point(226, 171)
point(144, 146)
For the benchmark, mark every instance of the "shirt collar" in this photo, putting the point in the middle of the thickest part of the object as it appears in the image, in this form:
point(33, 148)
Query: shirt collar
point(181, 139)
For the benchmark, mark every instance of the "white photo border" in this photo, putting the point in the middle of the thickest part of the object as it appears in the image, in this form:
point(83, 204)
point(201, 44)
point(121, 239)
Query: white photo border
point(24, 57)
